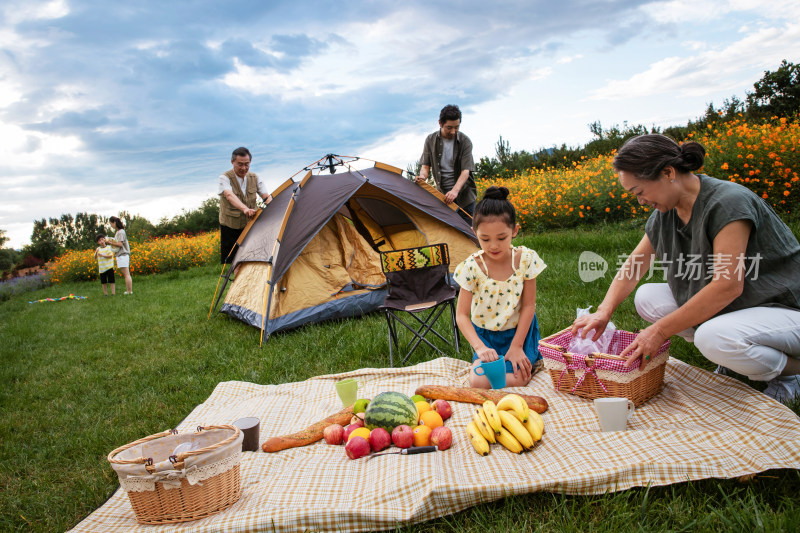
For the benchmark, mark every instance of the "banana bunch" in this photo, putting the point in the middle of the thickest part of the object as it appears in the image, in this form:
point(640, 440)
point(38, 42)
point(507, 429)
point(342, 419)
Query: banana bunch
point(510, 422)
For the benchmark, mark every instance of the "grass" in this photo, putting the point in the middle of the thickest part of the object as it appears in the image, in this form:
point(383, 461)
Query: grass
point(83, 377)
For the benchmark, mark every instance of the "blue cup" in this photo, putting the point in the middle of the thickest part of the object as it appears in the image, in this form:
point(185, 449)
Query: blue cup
point(495, 371)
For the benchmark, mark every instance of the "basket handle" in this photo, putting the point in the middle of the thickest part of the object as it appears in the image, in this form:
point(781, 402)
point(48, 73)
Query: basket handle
point(183, 455)
point(600, 355)
point(177, 464)
point(140, 460)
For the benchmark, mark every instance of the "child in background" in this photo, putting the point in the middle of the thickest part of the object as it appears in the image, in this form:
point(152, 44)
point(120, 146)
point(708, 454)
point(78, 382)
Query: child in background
point(105, 261)
point(496, 310)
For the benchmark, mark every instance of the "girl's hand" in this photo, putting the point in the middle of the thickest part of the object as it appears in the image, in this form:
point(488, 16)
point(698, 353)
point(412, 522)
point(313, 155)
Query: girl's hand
point(486, 354)
point(645, 345)
point(596, 321)
point(520, 363)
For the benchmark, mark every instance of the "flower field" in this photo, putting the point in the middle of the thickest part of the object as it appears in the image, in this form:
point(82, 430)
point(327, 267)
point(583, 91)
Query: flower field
point(762, 157)
point(14, 286)
point(150, 257)
point(565, 197)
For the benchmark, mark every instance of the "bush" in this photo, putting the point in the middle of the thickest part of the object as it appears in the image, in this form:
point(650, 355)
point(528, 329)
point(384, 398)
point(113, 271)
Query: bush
point(761, 156)
point(204, 218)
point(14, 286)
point(8, 258)
point(31, 261)
point(587, 192)
point(151, 257)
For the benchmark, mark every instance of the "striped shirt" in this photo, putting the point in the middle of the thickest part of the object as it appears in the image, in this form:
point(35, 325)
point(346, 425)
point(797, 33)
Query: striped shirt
point(105, 263)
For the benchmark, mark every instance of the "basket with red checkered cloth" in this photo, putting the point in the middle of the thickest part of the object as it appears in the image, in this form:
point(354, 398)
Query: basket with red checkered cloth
point(603, 375)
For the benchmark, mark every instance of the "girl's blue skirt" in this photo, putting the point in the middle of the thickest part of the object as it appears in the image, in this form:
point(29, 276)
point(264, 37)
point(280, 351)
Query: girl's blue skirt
point(500, 341)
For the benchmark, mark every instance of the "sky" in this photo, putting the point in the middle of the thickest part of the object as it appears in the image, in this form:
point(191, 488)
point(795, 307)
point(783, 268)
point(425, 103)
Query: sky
point(136, 106)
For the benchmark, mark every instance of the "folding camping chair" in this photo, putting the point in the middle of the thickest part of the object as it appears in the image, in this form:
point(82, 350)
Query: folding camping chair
point(417, 284)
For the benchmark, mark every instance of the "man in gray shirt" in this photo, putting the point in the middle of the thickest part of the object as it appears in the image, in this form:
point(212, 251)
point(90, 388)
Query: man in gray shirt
point(448, 154)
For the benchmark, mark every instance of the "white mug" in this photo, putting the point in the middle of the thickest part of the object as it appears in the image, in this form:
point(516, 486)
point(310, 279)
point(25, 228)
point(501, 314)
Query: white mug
point(613, 413)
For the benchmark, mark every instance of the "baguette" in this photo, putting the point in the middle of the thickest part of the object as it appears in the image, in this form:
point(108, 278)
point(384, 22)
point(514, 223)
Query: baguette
point(310, 435)
point(475, 395)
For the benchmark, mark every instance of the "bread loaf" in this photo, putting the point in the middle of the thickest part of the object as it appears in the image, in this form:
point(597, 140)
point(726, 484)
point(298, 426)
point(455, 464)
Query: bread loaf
point(475, 395)
point(310, 435)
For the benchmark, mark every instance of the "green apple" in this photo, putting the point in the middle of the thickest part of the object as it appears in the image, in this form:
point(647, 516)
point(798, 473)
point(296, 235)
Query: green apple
point(361, 405)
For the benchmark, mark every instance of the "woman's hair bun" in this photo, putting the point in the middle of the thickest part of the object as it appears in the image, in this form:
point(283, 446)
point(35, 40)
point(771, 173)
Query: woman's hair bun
point(496, 193)
point(693, 155)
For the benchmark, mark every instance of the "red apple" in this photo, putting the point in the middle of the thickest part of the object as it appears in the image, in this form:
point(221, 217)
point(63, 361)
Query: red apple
point(443, 408)
point(357, 421)
point(442, 437)
point(379, 439)
point(334, 434)
point(403, 436)
point(357, 447)
point(347, 430)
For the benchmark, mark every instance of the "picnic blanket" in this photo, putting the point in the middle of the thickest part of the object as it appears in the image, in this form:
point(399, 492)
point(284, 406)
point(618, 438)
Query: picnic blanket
point(700, 426)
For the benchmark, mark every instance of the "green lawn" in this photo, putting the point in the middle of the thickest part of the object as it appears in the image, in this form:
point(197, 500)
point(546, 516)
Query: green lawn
point(83, 377)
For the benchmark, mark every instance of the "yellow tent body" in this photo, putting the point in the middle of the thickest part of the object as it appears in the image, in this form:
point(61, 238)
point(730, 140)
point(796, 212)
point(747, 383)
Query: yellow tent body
point(313, 252)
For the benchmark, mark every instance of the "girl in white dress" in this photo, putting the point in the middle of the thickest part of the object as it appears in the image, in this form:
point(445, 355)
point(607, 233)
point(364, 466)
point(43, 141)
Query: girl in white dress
point(496, 309)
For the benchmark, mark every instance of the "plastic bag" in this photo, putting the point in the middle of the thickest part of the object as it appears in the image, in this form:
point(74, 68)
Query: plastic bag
point(586, 346)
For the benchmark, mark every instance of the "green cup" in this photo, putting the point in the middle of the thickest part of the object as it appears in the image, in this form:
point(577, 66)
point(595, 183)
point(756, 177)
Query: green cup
point(347, 389)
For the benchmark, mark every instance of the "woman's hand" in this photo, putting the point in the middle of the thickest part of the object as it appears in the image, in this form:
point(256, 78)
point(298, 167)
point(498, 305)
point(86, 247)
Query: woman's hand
point(596, 321)
point(645, 345)
point(486, 354)
point(520, 363)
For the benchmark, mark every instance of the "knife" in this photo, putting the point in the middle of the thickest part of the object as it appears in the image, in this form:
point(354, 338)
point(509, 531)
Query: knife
point(408, 451)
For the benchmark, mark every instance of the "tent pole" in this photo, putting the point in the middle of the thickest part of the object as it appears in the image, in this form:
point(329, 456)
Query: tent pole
point(213, 302)
point(266, 310)
point(227, 278)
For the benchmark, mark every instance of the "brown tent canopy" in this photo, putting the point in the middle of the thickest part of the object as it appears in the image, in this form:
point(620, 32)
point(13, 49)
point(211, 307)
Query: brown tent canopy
point(312, 253)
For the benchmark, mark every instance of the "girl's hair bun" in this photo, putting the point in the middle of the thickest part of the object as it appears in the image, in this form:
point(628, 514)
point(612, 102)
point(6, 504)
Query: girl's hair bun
point(496, 193)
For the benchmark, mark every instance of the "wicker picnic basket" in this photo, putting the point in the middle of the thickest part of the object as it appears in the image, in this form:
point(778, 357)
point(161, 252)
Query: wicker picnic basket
point(200, 480)
point(603, 375)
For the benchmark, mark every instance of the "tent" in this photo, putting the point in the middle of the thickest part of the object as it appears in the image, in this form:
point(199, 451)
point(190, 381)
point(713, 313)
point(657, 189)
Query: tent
point(312, 254)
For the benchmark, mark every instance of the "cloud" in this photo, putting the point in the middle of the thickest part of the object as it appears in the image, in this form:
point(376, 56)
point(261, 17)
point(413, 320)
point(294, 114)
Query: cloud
point(17, 12)
point(569, 59)
point(711, 70)
point(693, 12)
point(126, 102)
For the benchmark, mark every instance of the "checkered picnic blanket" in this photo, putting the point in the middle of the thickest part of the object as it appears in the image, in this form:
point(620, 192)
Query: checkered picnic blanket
point(700, 426)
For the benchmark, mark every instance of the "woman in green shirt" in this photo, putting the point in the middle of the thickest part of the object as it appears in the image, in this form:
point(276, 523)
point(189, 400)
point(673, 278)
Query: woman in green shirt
point(732, 268)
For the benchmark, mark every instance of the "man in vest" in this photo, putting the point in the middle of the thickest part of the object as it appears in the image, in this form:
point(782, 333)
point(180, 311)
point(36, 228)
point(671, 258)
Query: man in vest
point(448, 154)
point(238, 188)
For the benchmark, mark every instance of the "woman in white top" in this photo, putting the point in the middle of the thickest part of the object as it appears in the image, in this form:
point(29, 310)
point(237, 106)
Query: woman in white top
point(123, 252)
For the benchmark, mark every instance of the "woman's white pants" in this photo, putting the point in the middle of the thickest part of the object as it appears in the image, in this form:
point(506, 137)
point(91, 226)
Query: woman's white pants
point(754, 342)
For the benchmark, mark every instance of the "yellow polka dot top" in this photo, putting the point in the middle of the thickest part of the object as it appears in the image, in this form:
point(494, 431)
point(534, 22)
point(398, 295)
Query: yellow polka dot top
point(495, 304)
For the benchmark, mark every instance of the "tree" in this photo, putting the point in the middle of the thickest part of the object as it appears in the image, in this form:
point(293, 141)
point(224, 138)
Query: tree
point(413, 169)
point(8, 258)
point(52, 236)
point(3, 238)
point(205, 218)
point(85, 227)
point(777, 93)
point(137, 228)
point(45, 243)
